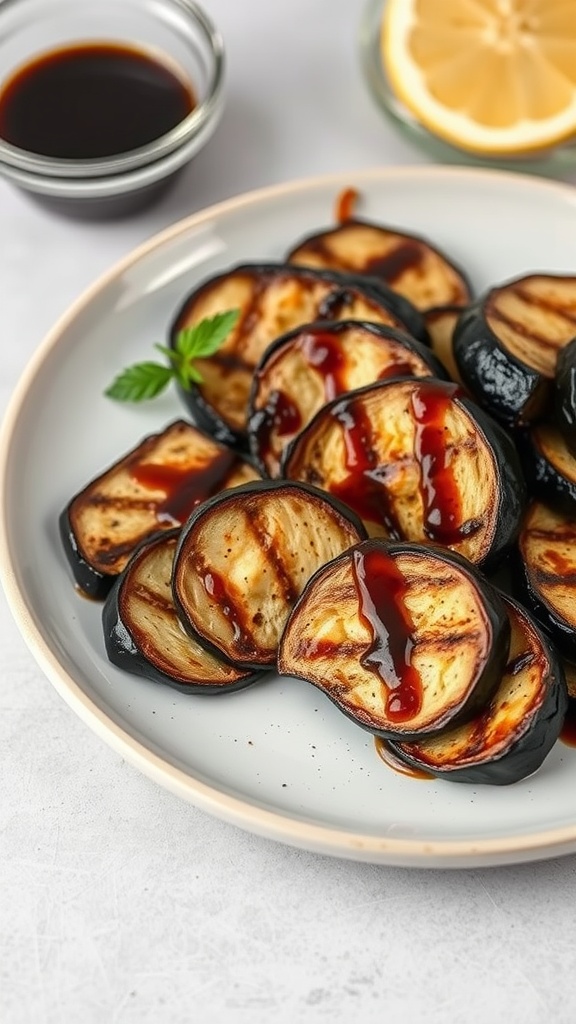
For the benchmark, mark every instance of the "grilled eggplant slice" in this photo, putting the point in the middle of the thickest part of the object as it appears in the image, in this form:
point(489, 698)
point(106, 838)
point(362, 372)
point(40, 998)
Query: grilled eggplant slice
point(441, 325)
point(272, 299)
point(511, 737)
point(244, 558)
point(405, 639)
point(154, 487)
point(407, 263)
point(506, 345)
point(313, 364)
point(549, 467)
point(142, 632)
point(565, 394)
point(546, 576)
point(417, 461)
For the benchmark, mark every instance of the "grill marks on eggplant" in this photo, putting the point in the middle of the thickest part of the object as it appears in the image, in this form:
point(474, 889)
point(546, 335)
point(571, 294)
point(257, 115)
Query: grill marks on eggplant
point(534, 317)
point(407, 263)
point(272, 299)
point(549, 466)
point(405, 639)
point(143, 634)
point(565, 394)
point(416, 462)
point(506, 346)
point(547, 546)
point(154, 487)
point(313, 365)
point(511, 737)
point(245, 557)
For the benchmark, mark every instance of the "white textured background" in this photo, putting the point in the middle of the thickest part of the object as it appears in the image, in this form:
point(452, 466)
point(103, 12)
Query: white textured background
point(119, 903)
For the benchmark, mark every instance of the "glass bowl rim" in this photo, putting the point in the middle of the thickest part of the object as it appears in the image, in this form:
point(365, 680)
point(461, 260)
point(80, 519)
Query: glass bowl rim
point(34, 164)
point(555, 162)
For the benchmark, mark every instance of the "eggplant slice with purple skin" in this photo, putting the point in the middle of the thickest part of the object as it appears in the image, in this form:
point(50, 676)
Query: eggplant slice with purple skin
point(506, 345)
point(315, 363)
point(406, 640)
point(417, 461)
point(244, 558)
point(565, 394)
point(142, 631)
point(512, 736)
point(544, 575)
point(407, 263)
point(154, 487)
point(549, 467)
point(272, 298)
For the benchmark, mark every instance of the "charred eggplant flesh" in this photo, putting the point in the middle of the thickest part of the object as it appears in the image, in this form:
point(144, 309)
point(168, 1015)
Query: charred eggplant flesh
point(405, 639)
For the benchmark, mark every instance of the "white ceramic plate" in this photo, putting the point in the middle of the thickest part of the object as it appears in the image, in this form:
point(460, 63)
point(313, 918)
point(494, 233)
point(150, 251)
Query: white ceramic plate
point(278, 759)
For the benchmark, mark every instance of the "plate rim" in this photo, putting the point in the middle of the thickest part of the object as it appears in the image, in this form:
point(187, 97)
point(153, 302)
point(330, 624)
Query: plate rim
point(275, 825)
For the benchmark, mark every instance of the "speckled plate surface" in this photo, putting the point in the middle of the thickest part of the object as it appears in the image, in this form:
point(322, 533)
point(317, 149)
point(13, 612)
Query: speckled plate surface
point(278, 759)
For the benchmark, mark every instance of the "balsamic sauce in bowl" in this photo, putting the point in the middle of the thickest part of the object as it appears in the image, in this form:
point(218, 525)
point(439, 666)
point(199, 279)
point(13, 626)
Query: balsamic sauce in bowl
point(92, 100)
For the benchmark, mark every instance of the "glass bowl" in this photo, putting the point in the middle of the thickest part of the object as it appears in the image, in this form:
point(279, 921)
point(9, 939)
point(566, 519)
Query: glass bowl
point(555, 163)
point(177, 33)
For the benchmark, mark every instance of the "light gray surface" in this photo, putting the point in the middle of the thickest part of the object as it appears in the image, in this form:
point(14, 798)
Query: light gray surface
point(120, 903)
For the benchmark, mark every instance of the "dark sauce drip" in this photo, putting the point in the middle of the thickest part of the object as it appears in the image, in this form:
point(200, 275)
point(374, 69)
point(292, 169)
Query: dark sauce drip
point(280, 418)
point(346, 205)
point(183, 488)
point(215, 587)
point(568, 730)
point(323, 353)
point(401, 368)
point(382, 589)
point(406, 256)
point(92, 101)
point(391, 760)
point(442, 510)
point(518, 664)
point(364, 486)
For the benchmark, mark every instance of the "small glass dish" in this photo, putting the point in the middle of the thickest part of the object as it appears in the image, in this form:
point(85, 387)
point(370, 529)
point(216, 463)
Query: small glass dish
point(175, 32)
point(554, 163)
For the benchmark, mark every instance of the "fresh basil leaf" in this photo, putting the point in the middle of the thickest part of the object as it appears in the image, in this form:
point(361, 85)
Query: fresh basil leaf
point(140, 382)
point(207, 336)
point(146, 380)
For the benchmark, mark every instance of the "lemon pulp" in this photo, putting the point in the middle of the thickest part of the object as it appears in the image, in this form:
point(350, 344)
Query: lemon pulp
point(490, 76)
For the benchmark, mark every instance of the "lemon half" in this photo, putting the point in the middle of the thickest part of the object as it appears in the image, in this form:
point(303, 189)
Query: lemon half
point(490, 76)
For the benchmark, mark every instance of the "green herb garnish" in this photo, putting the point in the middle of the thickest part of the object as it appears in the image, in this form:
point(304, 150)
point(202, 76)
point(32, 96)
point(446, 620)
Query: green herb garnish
point(146, 380)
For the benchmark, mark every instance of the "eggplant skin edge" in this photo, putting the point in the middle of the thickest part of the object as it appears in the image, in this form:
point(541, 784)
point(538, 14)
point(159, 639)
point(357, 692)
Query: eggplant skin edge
point(93, 583)
point(508, 389)
point(489, 680)
point(564, 395)
point(544, 481)
point(527, 753)
point(124, 654)
point(123, 651)
point(555, 627)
